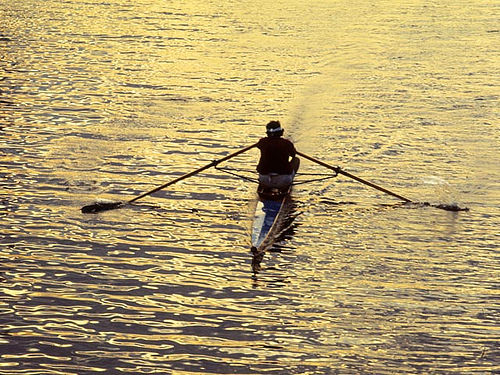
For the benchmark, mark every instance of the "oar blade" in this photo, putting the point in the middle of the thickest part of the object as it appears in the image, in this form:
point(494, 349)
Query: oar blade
point(454, 207)
point(450, 207)
point(101, 206)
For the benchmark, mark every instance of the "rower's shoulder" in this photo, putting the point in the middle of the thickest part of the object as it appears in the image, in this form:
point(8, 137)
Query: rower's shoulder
point(289, 143)
point(261, 142)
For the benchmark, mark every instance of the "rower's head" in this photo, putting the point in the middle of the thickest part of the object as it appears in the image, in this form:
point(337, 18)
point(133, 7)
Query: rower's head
point(274, 129)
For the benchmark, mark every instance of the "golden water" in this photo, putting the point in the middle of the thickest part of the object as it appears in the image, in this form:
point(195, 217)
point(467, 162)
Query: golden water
point(110, 99)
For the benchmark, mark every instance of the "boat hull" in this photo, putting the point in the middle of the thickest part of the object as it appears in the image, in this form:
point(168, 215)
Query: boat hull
point(269, 213)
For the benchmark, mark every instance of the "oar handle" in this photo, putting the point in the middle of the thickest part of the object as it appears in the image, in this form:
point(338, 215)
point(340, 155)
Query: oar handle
point(201, 169)
point(347, 174)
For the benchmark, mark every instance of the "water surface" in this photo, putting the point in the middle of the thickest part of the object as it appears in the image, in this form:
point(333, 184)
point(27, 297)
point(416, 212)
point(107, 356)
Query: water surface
point(106, 100)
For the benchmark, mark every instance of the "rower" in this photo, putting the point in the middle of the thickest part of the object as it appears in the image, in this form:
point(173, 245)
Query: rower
point(278, 163)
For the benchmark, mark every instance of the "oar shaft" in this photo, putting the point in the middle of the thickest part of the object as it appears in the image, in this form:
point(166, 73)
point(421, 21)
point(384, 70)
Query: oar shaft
point(336, 169)
point(373, 185)
point(201, 169)
point(347, 174)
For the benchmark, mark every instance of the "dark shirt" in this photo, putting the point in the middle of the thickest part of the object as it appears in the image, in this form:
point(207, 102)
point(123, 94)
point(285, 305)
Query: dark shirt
point(275, 154)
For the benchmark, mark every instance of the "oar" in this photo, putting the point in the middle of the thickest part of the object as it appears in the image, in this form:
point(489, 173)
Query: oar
point(447, 207)
point(339, 170)
point(102, 206)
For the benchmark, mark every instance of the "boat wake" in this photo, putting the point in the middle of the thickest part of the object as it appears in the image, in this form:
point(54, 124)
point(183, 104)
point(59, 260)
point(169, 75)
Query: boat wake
point(444, 192)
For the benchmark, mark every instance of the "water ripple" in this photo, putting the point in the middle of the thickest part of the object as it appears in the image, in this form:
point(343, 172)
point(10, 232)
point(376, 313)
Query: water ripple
point(108, 100)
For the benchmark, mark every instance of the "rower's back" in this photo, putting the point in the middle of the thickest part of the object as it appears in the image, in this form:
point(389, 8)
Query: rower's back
point(278, 163)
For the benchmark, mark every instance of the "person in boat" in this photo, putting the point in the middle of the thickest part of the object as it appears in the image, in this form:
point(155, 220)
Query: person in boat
point(278, 163)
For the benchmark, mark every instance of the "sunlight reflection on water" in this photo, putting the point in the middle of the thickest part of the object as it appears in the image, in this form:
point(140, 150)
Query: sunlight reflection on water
point(108, 100)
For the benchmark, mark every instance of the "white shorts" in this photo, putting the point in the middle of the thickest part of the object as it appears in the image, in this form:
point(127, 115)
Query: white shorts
point(274, 180)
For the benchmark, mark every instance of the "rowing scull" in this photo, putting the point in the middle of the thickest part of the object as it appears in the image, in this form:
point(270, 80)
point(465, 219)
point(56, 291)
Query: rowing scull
point(269, 213)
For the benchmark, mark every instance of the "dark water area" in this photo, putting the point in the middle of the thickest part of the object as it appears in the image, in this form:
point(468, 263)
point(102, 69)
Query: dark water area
point(107, 100)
